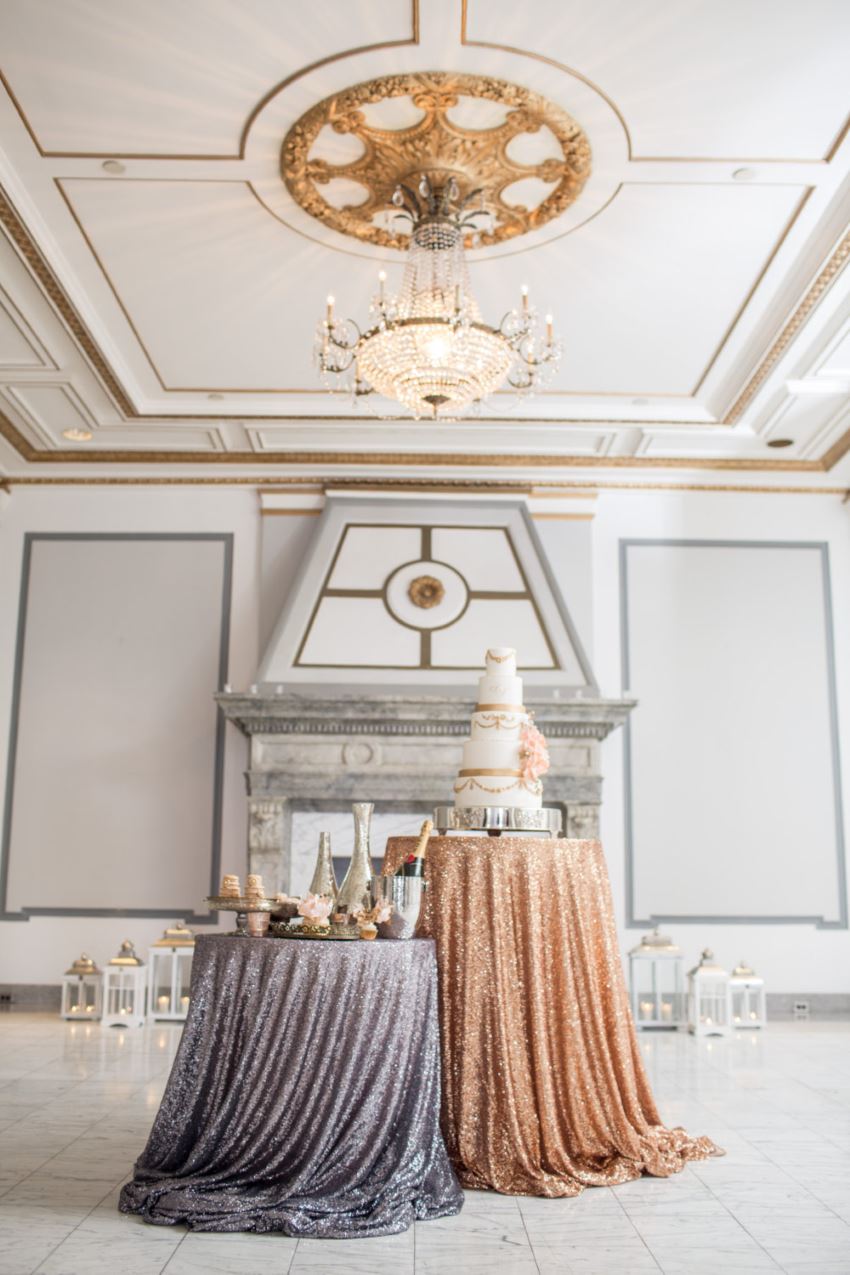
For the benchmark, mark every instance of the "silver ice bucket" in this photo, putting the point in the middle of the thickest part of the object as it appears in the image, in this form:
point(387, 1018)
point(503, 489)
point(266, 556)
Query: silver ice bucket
point(405, 894)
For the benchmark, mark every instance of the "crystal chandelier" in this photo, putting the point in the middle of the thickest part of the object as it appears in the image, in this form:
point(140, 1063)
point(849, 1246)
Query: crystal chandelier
point(427, 348)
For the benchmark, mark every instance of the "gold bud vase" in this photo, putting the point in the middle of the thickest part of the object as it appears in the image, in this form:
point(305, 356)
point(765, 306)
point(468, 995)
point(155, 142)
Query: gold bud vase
point(355, 891)
point(324, 878)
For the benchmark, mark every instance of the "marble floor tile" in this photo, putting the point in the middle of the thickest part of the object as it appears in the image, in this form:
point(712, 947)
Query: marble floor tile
point(201, 1254)
point(76, 1107)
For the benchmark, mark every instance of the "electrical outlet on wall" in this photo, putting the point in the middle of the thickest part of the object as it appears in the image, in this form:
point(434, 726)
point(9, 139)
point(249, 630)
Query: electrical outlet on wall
point(801, 1009)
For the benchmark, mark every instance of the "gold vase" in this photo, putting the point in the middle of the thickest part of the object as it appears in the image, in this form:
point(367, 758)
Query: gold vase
point(355, 892)
point(324, 878)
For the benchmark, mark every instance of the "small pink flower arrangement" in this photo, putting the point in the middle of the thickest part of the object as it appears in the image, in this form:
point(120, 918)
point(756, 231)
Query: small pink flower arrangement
point(377, 915)
point(533, 753)
point(315, 909)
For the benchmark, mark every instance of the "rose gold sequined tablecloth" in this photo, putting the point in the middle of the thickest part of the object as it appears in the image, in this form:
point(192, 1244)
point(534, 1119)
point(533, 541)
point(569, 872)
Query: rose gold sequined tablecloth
point(544, 1092)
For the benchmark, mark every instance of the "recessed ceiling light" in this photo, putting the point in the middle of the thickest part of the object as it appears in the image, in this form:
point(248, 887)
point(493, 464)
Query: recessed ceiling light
point(215, 398)
point(780, 442)
point(743, 174)
point(113, 166)
point(78, 435)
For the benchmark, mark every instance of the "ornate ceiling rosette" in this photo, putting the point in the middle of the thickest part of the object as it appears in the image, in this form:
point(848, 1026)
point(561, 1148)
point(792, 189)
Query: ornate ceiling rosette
point(529, 145)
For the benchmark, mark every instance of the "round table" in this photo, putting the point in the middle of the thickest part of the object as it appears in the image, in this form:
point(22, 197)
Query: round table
point(305, 1094)
point(544, 1091)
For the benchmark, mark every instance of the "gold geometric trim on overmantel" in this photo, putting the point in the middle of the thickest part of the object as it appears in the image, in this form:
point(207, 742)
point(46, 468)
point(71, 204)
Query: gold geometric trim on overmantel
point(440, 147)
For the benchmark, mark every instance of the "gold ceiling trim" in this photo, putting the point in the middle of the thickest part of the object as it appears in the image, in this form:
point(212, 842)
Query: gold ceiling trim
point(818, 289)
point(412, 39)
point(470, 486)
point(439, 147)
point(550, 460)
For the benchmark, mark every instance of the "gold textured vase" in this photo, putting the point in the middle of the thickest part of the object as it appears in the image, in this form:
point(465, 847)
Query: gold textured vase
point(324, 878)
point(355, 893)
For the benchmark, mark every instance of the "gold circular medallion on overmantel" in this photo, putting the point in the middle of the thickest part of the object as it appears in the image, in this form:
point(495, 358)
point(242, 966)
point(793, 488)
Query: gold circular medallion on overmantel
point(342, 160)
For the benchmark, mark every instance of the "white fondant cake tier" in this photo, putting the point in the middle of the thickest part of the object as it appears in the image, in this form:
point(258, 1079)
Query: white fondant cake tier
point(491, 754)
point(504, 691)
point(493, 724)
point(489, 790)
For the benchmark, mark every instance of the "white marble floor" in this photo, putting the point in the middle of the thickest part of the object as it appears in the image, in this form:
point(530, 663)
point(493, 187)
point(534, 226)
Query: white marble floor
point(76, 1103)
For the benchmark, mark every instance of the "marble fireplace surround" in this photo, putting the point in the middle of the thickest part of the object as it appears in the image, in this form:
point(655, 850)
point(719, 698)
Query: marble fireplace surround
point(310, 752)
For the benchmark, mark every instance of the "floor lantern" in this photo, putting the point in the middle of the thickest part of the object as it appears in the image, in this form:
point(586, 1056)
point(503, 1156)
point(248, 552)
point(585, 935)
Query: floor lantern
point(124, 989)
point(749, 1003)
point(656, 983)
point(708, 998)
point(170, 973)
point(82, 990)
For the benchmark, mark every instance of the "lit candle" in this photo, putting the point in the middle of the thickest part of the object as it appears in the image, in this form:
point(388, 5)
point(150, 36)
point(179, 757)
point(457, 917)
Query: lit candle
point(329, 316)
point(753, 1014)
point(162, 1002)
point(524, 291)
point(457, 298)
point(382, 278)
point(74, 1009)
point(646, 1009)
point(666, 1010)
point(184, 1002)
point(89, 1009)
point(549, 329)
point(737, 1018)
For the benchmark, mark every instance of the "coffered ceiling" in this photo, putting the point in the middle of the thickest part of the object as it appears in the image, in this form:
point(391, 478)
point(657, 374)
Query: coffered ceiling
point(159, 284)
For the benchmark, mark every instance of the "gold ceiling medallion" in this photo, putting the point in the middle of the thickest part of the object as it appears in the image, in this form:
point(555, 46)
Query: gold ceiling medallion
point(426, 592)
point(491, 159)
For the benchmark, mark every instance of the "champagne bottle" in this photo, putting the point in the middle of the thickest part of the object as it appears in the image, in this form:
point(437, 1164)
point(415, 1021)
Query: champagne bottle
point(414, 864)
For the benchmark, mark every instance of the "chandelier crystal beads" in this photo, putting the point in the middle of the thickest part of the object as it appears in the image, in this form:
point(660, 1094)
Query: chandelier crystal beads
point(428, 348)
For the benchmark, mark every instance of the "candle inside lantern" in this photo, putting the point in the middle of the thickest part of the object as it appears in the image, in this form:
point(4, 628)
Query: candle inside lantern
point(89, 1009)
point(184, 1002)
point(162, 1002)
point(524, 292)
point(329, 314)
point(646, 1008)
point(549, 329)
point(666, 1010)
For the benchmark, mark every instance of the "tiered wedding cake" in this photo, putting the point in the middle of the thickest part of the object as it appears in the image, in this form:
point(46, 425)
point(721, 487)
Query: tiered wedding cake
point(506, 754)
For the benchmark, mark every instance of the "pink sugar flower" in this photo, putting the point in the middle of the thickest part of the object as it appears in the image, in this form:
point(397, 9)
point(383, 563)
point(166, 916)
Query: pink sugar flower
point(315, 907)
point(533, 753)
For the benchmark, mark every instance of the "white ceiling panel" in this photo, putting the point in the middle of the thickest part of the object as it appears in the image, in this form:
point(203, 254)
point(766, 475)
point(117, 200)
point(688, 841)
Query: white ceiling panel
point(703, 79)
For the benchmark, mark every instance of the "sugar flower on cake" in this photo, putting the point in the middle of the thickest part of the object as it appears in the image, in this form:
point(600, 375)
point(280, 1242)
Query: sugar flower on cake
point(533, 753)
point(315, 908)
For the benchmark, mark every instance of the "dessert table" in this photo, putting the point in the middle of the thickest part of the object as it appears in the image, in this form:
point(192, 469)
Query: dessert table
point(305, 1094)
point(544, 1092)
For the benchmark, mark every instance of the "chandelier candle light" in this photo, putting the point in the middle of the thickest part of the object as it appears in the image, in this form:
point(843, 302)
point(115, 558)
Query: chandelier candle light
point(427, 348)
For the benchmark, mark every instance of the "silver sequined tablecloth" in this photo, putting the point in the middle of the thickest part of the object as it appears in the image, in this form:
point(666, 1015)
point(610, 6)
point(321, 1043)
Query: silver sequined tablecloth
point(305, 1094)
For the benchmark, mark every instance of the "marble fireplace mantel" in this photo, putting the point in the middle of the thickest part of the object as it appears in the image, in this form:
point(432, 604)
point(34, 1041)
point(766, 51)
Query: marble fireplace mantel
point(310, 751)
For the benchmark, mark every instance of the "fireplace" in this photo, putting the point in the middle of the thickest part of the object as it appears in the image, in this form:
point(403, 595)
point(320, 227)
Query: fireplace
point(364, 689)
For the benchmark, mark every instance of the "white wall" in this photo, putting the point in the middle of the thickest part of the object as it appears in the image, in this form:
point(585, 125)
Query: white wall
point(798, 958)
point(38, 950)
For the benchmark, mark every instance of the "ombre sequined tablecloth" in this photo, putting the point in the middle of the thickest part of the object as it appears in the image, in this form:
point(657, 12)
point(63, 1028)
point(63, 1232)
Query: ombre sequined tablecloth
point(544, 1092)
point(305, 1094)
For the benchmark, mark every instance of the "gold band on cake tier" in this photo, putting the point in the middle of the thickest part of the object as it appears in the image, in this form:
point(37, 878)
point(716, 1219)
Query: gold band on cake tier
point(502, 708)
point(481, 770)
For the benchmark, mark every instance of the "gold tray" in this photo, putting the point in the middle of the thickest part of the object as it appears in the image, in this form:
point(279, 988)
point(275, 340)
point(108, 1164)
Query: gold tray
point(300, 934)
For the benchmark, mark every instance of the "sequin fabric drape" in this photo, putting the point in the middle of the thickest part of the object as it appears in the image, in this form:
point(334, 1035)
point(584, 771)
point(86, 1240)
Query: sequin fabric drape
point(305, 1094)
point(544, 1092)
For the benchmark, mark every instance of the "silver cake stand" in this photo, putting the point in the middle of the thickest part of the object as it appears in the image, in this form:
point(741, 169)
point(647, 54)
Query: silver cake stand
point(497, 819)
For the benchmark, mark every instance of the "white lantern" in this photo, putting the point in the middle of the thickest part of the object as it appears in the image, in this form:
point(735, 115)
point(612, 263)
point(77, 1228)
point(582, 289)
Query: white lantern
point(170, 973)
point(708, 998)
point(82, 991)
point(749, 1003)
point(656, 983)
point(124, 989)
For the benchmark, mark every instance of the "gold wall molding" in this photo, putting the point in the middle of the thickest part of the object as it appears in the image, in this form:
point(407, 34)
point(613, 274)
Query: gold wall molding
point(439, 147)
